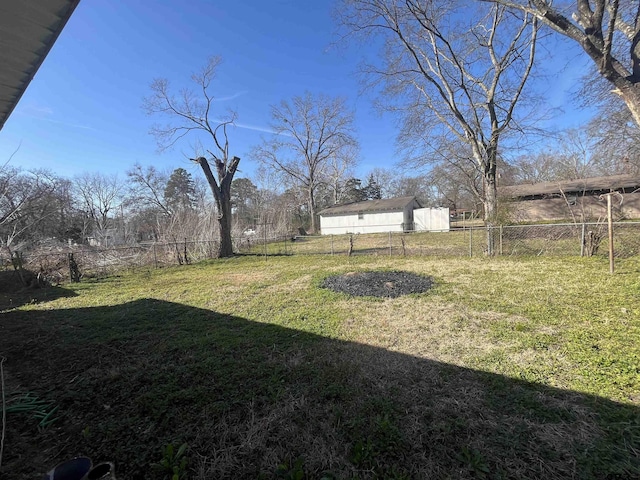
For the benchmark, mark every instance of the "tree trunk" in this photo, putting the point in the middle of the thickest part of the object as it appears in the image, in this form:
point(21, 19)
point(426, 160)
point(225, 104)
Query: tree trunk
point(630, 94)
point(225, 248)
point(490, 200)
point(490, 210)
point(490, 194)
point(222, 196)
point(490, 165)
point(312, 211)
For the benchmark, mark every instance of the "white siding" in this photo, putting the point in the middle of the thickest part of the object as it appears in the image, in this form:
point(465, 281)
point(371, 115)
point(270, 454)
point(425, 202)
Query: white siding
point(431, 219)
point(371, 222)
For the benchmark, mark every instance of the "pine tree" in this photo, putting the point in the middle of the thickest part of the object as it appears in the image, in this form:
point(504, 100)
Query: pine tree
point(180, 191)
point(372, 190)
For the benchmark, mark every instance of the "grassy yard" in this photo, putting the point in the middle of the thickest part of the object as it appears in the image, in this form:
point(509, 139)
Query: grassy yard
point(508, 368)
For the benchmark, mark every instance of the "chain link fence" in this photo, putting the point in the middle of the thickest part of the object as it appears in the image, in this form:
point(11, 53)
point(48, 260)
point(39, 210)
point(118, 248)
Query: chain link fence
point(60, 264)
point(589, 239)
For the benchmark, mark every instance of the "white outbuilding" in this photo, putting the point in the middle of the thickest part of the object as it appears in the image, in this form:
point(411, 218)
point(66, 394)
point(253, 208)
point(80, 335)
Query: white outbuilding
point(435, 219)
point(402, 214)
point(370, 216)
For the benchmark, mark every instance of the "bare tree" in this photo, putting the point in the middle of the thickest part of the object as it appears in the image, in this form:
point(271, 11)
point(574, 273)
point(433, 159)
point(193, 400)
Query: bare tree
point(540, 167)
point(310, 134)
point(385, 178)
point(607, 30)
point(189, 112)
point(617, 139)
point(452, 188)
point(591, 150)
point(576, 159)
point(33, 206)
point(16, 195)
point(146, 188)
point(340, 169)
point(413, 186)
point(100, 195)
point(451, 79)
point(455, 163)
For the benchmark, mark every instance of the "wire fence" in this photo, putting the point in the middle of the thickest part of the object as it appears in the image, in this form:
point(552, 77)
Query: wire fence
point(589, 239)
point(76, 262)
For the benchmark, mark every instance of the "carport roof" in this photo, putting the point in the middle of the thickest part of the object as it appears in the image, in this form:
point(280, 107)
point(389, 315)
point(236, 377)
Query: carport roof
point(28, 30)
point(385, 205)
point(598, 184)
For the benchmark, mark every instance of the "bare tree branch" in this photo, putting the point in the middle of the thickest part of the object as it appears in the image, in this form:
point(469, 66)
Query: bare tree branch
point(593, 26)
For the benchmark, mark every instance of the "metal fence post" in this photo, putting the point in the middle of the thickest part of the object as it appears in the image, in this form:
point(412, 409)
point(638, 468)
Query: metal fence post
point(582, 239)
point(491, 240)
point(331, 243)
point(610, 221)
point(265, 241)
point(389, 242)
point(500, 240)
point(471, 241)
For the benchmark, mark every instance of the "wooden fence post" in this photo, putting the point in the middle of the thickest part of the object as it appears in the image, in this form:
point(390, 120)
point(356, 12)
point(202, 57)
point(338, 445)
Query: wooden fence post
point(74, 272)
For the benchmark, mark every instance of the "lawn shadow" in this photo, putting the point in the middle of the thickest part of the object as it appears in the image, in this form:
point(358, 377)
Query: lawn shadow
point(13, 293)
point(256, 400)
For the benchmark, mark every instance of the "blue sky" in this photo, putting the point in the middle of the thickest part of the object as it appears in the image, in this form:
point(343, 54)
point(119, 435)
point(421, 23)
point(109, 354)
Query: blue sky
point(82, 112)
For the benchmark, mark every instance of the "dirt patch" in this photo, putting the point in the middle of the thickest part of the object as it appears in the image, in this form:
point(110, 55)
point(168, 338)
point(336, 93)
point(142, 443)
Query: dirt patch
point(378, 284)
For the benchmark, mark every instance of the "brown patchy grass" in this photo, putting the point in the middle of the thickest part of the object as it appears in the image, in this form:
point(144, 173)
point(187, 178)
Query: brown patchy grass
point(438, 331)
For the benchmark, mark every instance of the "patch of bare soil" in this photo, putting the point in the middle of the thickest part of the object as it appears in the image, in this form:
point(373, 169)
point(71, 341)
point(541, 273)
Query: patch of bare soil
point(378, 284)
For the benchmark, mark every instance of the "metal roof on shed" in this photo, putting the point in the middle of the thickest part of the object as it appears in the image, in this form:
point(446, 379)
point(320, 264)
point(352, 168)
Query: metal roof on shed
point(610, 183)
point(28, 30)
point(385, 205)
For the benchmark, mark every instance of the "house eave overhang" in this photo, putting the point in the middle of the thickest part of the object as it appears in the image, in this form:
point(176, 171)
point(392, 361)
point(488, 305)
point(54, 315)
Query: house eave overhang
point(28, 31)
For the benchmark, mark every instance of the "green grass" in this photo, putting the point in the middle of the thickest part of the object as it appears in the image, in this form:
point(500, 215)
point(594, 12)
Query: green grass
point(508, 368)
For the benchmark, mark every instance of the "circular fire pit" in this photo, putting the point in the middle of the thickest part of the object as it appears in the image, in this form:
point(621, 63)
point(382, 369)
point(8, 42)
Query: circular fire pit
point(378, 284)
